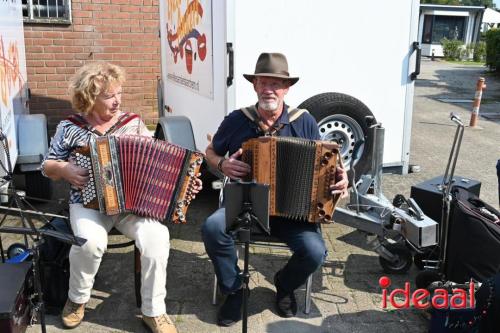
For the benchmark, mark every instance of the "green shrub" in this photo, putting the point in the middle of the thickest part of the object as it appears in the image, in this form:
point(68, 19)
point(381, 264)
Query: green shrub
point(452, 49)
point(479, 51)
point(493, 49)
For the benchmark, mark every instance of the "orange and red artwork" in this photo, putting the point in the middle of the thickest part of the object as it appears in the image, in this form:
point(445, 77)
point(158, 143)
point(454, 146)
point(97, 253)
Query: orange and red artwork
point(10, 75)
point(185, 40)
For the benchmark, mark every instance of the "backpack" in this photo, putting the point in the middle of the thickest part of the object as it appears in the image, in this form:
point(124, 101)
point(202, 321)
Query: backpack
point(54, 267)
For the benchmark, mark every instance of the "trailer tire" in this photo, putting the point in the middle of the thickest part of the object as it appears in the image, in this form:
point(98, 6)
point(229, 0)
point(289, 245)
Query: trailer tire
point(342, 118)
point(38, 186)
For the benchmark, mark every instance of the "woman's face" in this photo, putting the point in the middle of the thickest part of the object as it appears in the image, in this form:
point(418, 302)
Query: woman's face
point(107, 104)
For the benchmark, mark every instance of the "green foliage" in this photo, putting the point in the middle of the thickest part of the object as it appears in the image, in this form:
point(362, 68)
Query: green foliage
point(452, 49)
point(493, 49)
point(479, 52)
point(488, 3)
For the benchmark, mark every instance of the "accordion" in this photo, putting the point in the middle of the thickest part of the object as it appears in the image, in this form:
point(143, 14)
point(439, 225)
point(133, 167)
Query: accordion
point(137, 174)
point(298, 172)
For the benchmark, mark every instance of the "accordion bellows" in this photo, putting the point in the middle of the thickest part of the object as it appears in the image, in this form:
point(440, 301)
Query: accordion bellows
point(298, 172)
point(141, 175)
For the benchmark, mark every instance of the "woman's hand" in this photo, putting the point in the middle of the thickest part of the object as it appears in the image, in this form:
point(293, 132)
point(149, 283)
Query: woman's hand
point(339, 186)
point(197, 187)
point(75, 175)
point(234, 168)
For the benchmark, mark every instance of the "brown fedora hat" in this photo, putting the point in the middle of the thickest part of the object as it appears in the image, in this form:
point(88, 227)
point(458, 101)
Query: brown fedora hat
point(272, 65)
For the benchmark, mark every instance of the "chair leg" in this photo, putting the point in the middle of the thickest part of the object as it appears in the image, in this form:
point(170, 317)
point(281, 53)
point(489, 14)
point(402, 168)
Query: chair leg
point(308, 295)
point(137, 276)
point(214, 292)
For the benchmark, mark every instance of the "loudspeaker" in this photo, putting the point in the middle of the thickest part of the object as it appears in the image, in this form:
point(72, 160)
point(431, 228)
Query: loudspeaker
point(429, 195)
point(16, 284)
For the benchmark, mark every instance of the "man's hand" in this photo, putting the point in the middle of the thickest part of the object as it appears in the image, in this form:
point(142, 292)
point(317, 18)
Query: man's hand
point(75, 175)
point(233, 168)
point(339, 186)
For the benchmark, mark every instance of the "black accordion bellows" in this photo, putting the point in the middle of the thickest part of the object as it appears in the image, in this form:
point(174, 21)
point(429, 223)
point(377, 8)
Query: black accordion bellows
point(299, 173)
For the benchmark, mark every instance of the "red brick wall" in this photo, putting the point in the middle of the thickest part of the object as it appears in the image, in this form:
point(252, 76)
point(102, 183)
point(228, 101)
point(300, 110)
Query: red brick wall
point(124, 32)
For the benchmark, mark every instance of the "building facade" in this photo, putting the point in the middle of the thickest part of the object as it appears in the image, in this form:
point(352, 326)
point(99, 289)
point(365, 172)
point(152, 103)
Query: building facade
point(62, 35)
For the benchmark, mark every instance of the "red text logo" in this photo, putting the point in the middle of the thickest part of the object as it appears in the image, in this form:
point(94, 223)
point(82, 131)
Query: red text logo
point(422, 299)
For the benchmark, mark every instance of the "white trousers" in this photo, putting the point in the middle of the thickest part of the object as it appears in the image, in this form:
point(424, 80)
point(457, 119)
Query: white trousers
point(151, 238)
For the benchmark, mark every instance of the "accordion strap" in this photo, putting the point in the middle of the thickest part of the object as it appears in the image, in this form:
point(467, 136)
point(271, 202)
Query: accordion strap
point(81, 122)
point(251, 113)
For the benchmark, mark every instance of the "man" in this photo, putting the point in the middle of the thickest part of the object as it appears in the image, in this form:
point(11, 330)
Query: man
point(271, 82)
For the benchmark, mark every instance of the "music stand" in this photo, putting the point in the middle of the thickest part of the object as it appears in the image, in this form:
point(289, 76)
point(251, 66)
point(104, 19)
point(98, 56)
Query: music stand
point(29, 229)
point(247, 208)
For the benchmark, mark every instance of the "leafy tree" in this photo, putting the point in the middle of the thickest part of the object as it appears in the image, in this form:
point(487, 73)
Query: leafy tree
point(488, 3)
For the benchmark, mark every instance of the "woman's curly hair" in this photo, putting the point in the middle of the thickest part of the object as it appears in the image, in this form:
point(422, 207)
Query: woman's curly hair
point(91, 80)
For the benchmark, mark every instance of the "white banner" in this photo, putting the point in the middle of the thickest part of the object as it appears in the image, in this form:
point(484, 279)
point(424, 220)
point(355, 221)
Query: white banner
point(12, 72)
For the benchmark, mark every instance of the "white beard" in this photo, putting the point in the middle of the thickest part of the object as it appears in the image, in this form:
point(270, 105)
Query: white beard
point(268, 106)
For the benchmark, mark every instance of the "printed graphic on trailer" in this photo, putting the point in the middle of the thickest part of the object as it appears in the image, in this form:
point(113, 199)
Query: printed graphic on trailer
point(189, 45)
point(13, 95)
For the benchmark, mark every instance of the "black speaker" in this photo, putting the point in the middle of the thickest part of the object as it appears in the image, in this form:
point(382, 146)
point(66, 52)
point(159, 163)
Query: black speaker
point(429, 195)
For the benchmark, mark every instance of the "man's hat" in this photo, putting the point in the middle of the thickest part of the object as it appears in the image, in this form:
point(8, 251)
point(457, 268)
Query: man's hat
point(272, 65)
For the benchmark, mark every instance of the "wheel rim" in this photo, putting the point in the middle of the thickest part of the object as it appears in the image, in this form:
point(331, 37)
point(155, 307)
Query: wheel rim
point(345, 131)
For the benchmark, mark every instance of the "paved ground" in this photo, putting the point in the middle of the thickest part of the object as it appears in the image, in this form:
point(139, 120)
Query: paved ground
point(346, 296)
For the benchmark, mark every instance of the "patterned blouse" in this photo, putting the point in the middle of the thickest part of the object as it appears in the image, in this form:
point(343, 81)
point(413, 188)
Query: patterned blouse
point(75, 132)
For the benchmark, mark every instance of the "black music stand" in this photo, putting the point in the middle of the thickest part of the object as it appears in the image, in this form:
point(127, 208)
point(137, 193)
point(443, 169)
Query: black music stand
point(247, 208)
point(29, 230)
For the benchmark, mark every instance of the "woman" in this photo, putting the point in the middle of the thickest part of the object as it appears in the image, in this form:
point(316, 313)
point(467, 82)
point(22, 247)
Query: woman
point(96, 91)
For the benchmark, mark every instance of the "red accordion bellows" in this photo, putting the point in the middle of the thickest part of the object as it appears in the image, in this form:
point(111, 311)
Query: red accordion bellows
point(141, 175)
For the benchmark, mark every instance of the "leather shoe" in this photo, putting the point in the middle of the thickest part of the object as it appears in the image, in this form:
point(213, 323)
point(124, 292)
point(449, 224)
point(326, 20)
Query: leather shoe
point(286, 304)
point(230, 312)
point(72, 314)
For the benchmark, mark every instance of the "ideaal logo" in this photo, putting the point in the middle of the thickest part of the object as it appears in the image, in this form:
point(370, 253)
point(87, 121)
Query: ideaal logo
point(422, 298)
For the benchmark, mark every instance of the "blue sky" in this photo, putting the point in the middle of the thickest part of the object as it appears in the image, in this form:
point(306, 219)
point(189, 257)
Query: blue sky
point(497, 2)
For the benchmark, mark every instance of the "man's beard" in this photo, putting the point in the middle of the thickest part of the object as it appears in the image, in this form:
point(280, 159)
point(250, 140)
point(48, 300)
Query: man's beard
point(268, 106)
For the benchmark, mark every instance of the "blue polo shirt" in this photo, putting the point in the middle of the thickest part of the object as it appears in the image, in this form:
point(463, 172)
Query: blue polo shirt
point(237, 128)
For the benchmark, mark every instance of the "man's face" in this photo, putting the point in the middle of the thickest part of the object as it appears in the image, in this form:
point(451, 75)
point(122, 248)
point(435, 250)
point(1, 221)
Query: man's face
point(271, 92)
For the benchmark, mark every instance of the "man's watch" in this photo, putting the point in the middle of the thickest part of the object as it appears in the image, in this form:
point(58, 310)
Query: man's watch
point(219, 165)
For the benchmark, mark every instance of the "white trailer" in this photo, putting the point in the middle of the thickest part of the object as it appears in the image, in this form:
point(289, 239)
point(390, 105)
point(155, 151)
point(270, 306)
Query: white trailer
point(26, 133)
point(353, 60)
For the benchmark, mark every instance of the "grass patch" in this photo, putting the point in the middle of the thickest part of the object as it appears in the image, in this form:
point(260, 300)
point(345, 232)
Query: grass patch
point(464, 62)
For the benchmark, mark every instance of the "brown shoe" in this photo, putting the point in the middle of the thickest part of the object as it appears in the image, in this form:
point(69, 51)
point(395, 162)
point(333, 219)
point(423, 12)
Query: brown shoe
point(72, 314)
point(160, 324)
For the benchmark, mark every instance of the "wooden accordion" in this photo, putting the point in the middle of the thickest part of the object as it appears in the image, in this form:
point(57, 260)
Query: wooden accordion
point(298, 172)
point(137, 174)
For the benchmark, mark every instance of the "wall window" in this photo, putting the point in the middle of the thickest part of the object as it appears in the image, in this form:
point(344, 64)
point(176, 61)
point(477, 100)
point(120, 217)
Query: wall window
point(47, 11)
point(439, 27)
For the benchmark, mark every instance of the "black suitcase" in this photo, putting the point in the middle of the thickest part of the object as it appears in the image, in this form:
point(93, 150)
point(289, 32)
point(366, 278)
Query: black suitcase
point(15, 288)
point(473, 249)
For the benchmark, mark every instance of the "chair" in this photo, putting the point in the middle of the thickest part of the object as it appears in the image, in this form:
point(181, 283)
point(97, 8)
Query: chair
point(263, 240)
point(137, 264)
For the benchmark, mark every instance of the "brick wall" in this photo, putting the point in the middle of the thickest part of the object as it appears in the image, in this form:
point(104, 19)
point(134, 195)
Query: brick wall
point(124, 32)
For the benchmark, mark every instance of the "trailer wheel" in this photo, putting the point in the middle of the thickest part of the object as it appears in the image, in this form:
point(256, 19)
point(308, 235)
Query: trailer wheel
point(38, 186)
point(341, 118)
point(403, 262)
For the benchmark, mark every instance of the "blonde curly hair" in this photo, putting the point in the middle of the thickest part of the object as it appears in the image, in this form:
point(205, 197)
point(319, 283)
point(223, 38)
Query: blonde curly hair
point(91, 80)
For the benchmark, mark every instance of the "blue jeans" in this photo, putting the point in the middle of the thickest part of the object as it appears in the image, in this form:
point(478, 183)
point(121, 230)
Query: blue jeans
point(304, 239)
